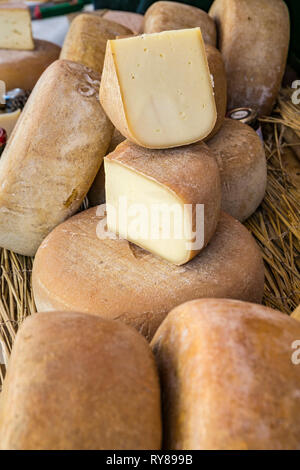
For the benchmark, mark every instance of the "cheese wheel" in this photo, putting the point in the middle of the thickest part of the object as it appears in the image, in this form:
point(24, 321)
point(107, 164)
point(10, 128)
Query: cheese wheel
point(218, 74)
point(22, 69)
point(254, 40)
point(166, 201)
point(78, 382)
point(132, 21)
point(52, 156)
point(157, 90)
point(242, 163)
point(9, 120)
point(86, 39)
point(96, 194)
point(228, 378)
point(74, 269)
point(166, 16)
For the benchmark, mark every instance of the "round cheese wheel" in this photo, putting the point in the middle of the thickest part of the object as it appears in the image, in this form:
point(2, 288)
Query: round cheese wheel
point(22, 69)
point(254, 39)
point(78, 382)
point(243, 168)
point(167, 16)
point(76, 270)
point(52, 156)
point(229, 377)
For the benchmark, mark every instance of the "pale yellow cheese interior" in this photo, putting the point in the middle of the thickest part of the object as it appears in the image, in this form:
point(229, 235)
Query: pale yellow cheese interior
point(137, 189)
point(166, 87)
point(15, 28)
point(9, 120)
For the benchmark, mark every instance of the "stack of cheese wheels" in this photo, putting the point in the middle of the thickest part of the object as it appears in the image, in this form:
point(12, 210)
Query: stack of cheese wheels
point(22, 58)
point(229, 377)
point(76, 381)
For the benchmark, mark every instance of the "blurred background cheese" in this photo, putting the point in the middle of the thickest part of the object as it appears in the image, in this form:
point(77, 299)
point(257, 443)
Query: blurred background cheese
point(166, 181)
point(22, 69)
point(253, 37)
point(76, 381)
point(227, 376)
point(241, 158)
point(156, 88)
point(9, 120)
point(86, 39)
point(166, 16)
point(15, 27)
point(133, 21)
point(77, 270)
point(52, 156)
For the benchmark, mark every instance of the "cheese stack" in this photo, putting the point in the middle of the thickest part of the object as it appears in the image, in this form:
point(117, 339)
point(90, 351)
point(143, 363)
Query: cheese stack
point(22, 58)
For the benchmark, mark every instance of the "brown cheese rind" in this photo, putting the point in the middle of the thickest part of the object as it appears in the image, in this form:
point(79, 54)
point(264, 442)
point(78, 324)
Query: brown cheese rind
point(86, 39)
point(166, 16)
point(22, 69)
point(52, 156)
point(75, 270)
point(228, 378)
point(78, 382)
point(254, 39)
point(243, 168)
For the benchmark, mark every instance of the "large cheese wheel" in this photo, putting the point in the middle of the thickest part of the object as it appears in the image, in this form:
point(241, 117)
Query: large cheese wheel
point(86, 39)
point(76, 270)
point(176, 191)
point(228, 378)
point(133, 21)
point(218, 74)
point(53, 155)
point(166, 16)
point(22, 69)
point(254, 40)
point(78, 382)
point(242, 163)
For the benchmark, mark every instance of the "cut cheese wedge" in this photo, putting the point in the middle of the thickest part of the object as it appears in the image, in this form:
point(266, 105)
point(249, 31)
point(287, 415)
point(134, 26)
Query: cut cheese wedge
point(166, 201)
point(76, 269)
point(157, 88)
point(15, 27)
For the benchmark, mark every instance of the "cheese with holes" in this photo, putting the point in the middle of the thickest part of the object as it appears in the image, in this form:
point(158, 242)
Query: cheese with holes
point(228, 378)
point(22, 69)
point(157, 90)
point(15, 27)
point(243, 168)
point(86, 39)
point(166, 16)
point(9, 120)
point(78, 382)
point(52, 156)
point(79, 268)
point(254, 41)
point(166, 201)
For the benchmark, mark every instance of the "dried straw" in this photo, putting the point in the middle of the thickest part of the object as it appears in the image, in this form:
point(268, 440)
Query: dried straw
point(275, 225)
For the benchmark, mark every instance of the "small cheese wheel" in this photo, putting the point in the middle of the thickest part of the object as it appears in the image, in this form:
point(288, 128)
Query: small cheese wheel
point(22, 69)
point(157, 90)
point(86, 39)
point(243, 168)
point(74, 269)
point(166, 188)
point(218, 74)
point(166, 16)
point(227, 377)
point(96, 194)
point(78, 382)
point(9, 120)
point(254, 40)
point(133, 21)
point(52, 156)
